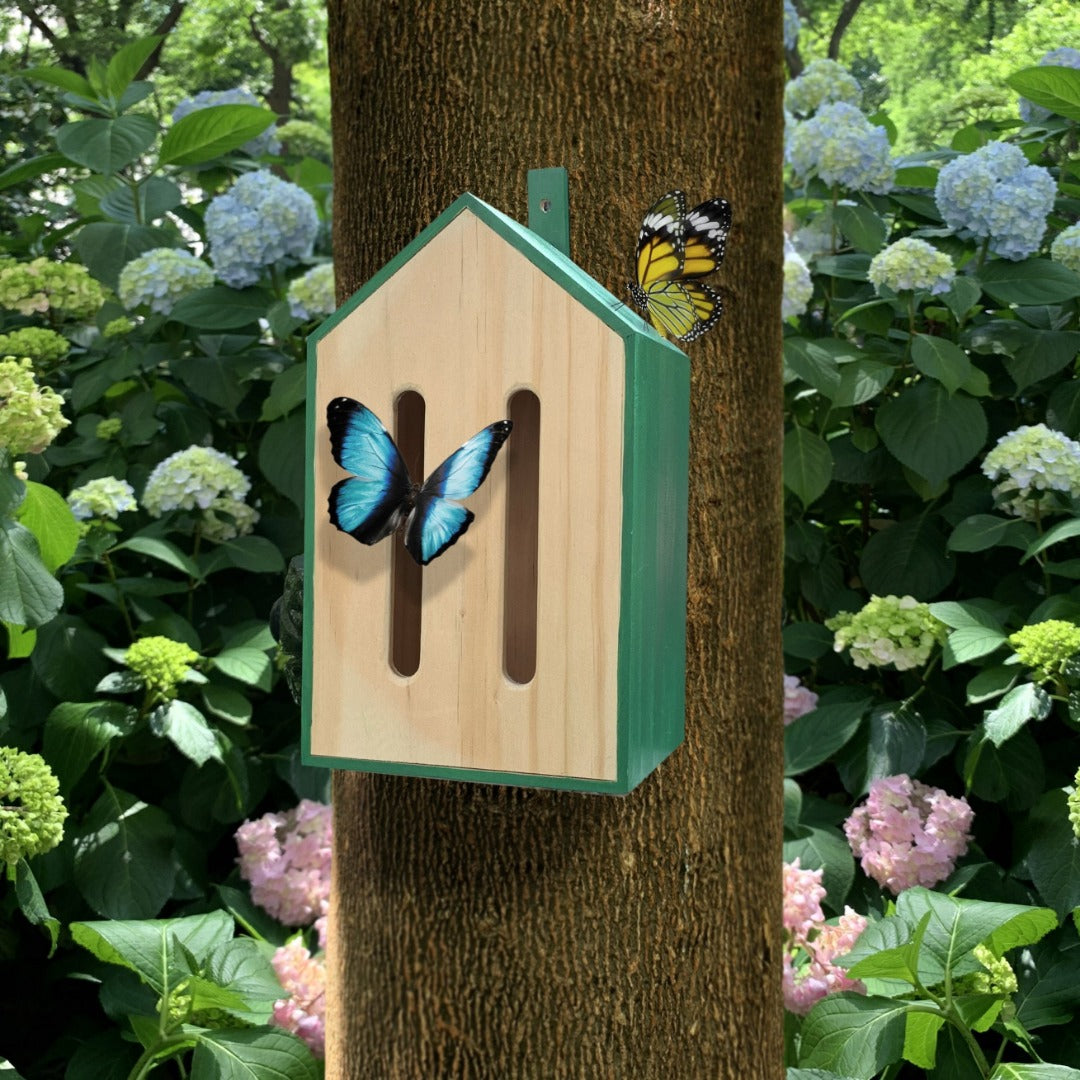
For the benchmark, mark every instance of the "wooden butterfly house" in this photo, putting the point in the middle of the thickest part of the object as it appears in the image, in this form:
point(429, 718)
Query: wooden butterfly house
point(546, 646)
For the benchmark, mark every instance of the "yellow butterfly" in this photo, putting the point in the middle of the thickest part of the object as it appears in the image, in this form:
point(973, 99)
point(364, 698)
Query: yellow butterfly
point(674, 250)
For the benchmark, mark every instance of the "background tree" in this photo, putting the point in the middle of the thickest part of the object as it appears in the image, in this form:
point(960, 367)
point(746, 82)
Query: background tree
point(483, 931)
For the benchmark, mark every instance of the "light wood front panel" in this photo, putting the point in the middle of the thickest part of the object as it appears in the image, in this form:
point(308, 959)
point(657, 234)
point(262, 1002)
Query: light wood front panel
point(467, 322)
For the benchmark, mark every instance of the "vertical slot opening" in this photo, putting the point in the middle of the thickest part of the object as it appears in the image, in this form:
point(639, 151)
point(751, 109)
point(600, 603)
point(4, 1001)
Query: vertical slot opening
point(407, 582)
point(522, 537)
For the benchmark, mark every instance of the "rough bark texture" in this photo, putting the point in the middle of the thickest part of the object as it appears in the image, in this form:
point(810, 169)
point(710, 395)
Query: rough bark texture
point(487, 932)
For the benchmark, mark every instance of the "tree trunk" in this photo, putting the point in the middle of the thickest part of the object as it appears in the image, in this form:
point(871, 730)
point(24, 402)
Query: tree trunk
point(491, 932)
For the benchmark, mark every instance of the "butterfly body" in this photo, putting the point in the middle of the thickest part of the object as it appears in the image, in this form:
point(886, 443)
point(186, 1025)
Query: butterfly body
point(380, 497)
point(674, 250)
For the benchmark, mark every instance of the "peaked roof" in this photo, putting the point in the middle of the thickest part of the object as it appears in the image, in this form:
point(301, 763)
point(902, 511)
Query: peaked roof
point(546, 257)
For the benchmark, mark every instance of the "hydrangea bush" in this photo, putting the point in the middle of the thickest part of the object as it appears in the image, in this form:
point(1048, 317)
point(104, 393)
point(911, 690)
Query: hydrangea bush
point(932, 592)
point(149, 498)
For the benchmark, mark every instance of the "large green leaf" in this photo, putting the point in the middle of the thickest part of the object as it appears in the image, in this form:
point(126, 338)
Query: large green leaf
point(907, 558)
point(861, 381)
point(211, 132)
point(220, 308)
point(106, 247)
point(852, 1034)
point(1053, 856)
point(1054, 88)
point(29, 595)
point(1049, 983)
point(896, 739)
point(125, 63)
point(31, 169)
point(1031, 281)
point(123, 858)
point(68, 657)
point(148, 200)
point(970, 643)
point(187, 729)
point(250, 666)
point(106, 146)
point(288, 390)
point(940, 359)
point(156, 547)
point(281, 457)
point(61, 77)
point(864, 229)
point(76, 732)
point(253, 1054)
point(152, 947)
point(1011, 1070)
point(815, 737)
point(1021, 704)
point(932, 432)
point(47, 515)
point(807, 464)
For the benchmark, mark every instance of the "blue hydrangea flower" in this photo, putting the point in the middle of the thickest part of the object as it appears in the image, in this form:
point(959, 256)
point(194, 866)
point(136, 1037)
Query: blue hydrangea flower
point(1063, 57)
point(1066, 247)
point(842, 147)
point(993, 193)
point(792, 25)
point(258, 222)
point(264, 143)
point(911, 264)
point(798, 286)
point(821, 83)
point(313, 293)
point(161, 277)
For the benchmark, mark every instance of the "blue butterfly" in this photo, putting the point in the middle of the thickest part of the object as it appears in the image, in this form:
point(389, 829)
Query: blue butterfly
point(380, 495)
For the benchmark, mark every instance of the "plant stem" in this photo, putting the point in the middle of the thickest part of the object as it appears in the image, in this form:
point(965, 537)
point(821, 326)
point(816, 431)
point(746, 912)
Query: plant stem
point(121, 603)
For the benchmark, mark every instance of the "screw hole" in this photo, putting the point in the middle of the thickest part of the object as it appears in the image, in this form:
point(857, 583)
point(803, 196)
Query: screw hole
point(545, 205)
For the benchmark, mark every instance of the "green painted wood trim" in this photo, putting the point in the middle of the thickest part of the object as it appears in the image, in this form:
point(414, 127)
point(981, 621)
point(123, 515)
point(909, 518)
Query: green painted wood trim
point(472, 776)
point(549, 206)
point(310, 510)
point(652, 614)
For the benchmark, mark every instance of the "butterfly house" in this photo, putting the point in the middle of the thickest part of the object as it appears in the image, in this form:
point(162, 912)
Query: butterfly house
point(496, 520)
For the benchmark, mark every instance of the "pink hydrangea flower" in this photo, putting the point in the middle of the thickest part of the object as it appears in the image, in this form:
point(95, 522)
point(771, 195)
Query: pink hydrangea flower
point(798, 699)
point(811, 945)
point(286, 860)
point(907, 833)
point(303, 977)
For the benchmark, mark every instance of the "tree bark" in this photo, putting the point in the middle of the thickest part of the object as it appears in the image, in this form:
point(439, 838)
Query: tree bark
point(490, 932)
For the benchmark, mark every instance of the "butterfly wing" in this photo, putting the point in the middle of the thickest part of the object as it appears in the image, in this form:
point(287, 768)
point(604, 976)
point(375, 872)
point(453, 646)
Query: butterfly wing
point(683, 309)
point(436, 521)
point(659, 254)
point(372, 503)
point(706, 231)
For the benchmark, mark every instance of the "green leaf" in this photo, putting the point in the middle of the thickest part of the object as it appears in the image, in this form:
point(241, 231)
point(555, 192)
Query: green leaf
point(29, 595)
point(907, 558)
point(106, 247)
point(1010, 1070)
point(218, 307)
point(47, 515)
point(32, 904)
point(807, 464)
point(990, 683)
point(807, 640)
point(896, 742)
point(1044, 353)
point(1021, 704)
point(250, 666)
point(1063, 408)
point(61, 77)
point(106, 146)
point(920, 1038)
point(150, 198)
point(31, 169)
point(1053, 857)
point(962, 296)
point(76, 732)
point(815, 737)
point(816, 365)
point(848, 267)
point(280, 460)
point(125, 63)
point(940, 359)
point(186, 728)
point(828, 850)
point(932, 432)
point(21, 641)
point(123, 856)
point(979, 532)
point(969, 643)
point(861, 381)
point(153, 948)
point(864, 229)
point(227, 704)
point(962, 613)
point(1031, 281)
point(1049, 984)
point(154, 547)
point(68, 657)
point(211, 132)
point(244, 967)
point(288, 390)
point(849, 1033)
point(253, 553)
point(1012, 771)
point(252, 1054)
point(1054, 88)
point(1064, 530)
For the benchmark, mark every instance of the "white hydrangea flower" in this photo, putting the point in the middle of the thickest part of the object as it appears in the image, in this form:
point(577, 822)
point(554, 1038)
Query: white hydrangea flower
point(897, 630)
point(1030, 462)
point(313, 293)
point(161, 277)
point(798, 286)
point(821, 83)
point(1066, 247)
point(205, 479)
point(105, 497)
point(911, 264)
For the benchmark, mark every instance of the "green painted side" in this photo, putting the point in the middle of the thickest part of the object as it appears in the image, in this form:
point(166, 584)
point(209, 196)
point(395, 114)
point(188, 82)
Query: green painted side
point(652, 614)
point(652, 628)
point(549, 206)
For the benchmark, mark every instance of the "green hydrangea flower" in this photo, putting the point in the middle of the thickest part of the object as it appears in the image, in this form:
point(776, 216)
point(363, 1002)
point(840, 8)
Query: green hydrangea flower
point(313, 293)
point(1066, 247)
point(911, 264)
point(44, 347)
point(105, 497)
point(161, 277)
point(1046, 647)
point(31, 811)
point(118, 327)
point(895, 630)
point(998, 978)
point(1074, 805)
point(1029, 462)
point(42, 286)
point(821, 83)
point(30, 416)
point(161, 663)
point(109, 428)
point(305, 139)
